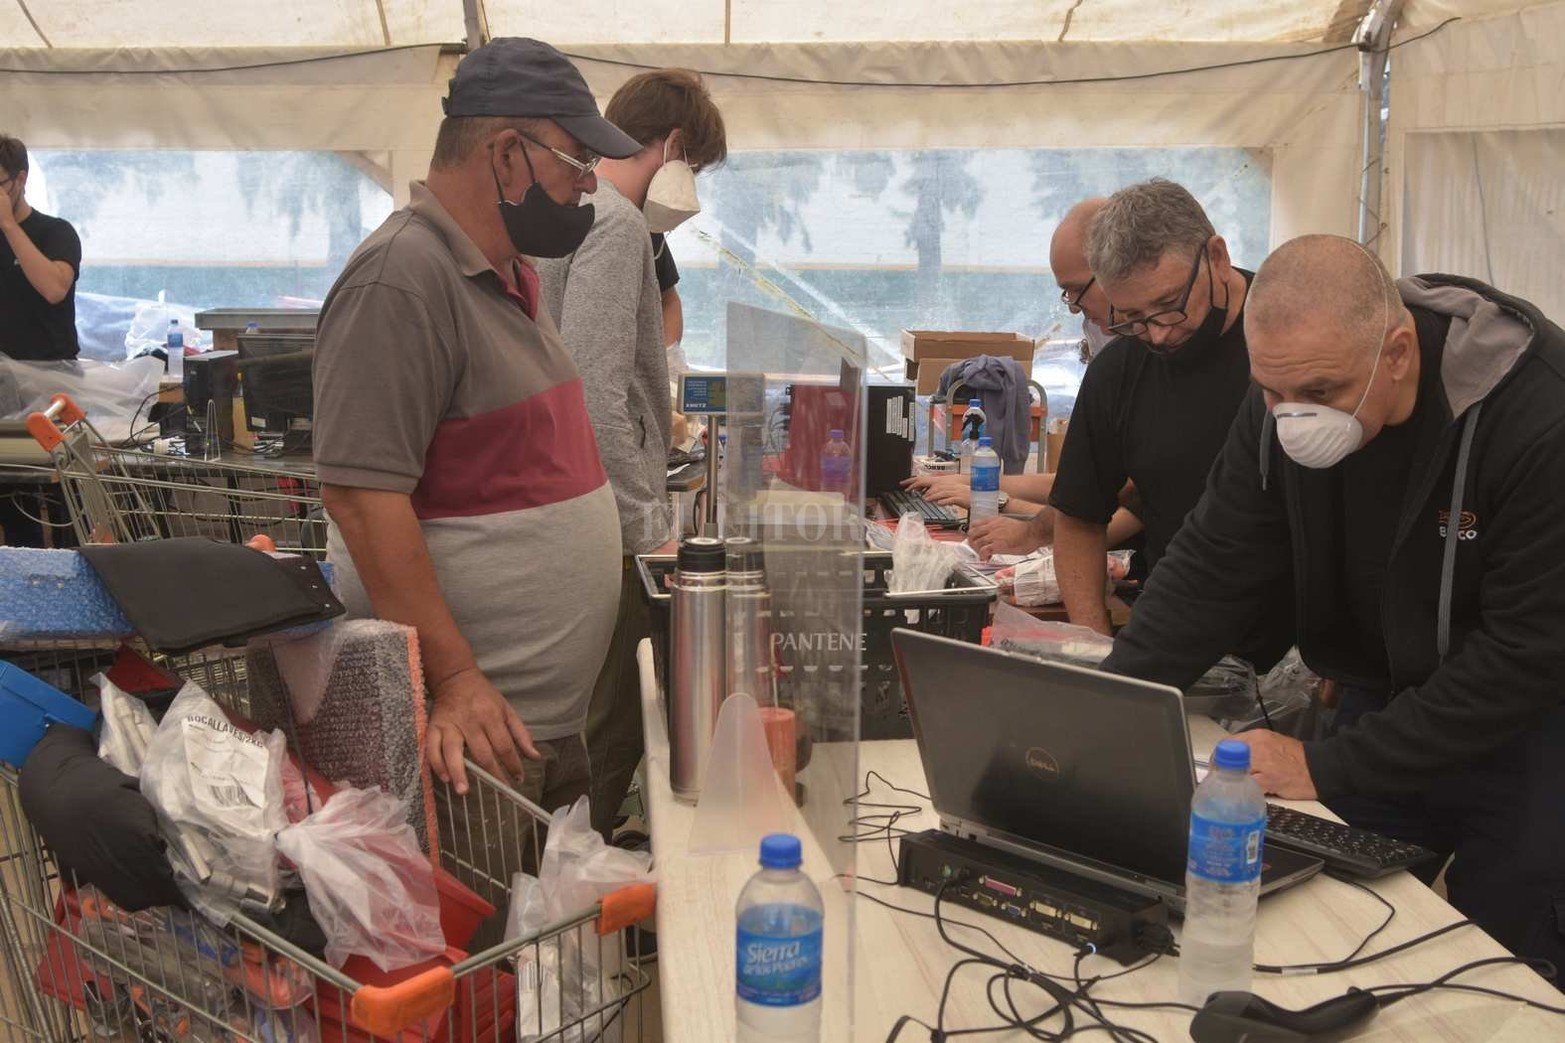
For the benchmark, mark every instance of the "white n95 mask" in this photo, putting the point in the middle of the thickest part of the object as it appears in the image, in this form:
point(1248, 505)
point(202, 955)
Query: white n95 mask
point(671, 196)
point(1318, 436)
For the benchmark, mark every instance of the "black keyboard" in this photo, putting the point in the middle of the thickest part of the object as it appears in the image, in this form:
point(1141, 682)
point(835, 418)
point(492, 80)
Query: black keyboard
point(1354, 852)
point(682, 458)
point(898, 502)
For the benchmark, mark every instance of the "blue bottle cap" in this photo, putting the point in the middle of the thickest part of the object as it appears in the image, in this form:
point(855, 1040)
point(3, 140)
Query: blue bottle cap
point(781, 851)
point(984, 441)
point(1231, 753)
point(836, 433)
point(975, 403)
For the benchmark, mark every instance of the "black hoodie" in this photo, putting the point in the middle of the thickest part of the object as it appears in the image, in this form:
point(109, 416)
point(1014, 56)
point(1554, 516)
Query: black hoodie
point(1474, 616)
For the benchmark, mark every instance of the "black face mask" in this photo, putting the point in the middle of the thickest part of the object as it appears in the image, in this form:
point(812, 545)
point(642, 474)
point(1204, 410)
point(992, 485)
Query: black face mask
point(538, 226)
point(1207, 334)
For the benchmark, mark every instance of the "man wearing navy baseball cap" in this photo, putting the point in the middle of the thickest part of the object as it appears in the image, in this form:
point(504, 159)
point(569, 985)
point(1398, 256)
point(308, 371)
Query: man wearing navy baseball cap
point(457, 459)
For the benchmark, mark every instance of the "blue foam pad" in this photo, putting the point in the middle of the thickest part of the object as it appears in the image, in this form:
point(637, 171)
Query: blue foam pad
point(54, 595)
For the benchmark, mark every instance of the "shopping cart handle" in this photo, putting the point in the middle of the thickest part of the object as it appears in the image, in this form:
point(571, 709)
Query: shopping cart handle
point(385, 1010)
point(42, 426)
point(626, 906)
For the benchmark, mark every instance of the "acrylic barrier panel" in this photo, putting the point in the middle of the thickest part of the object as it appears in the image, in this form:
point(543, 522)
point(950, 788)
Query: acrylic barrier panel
point(793, 482)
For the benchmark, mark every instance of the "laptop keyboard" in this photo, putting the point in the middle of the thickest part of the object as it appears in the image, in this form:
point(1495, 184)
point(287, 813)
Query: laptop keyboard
point(898, 502)
point(1344, 849)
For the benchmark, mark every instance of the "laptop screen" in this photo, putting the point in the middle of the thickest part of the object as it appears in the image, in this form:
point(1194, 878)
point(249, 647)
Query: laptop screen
point(1090, 765)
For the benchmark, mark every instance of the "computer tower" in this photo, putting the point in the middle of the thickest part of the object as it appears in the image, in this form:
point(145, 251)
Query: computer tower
point(211, 381)
point(888, 437)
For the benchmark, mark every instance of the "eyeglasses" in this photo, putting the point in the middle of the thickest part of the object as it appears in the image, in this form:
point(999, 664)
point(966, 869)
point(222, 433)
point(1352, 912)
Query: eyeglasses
point(583, 167)
point(1163, 319)
point(1073, 300)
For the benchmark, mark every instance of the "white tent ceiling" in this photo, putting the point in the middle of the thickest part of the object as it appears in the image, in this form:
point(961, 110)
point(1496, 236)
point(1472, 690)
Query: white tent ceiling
point(67, 24)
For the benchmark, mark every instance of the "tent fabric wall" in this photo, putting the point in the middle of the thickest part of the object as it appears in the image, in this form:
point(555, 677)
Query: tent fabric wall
point(1474, 147)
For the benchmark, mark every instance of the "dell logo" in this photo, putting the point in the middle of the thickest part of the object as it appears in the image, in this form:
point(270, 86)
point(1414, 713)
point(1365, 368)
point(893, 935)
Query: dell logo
point(1042, 763)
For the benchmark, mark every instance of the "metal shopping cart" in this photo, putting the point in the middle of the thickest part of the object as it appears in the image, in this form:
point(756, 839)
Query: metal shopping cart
point(76, 968)
point(120, 495)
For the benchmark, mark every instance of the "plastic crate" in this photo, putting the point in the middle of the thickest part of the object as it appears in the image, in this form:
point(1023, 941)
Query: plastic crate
point(882, 709)
point(27, 707)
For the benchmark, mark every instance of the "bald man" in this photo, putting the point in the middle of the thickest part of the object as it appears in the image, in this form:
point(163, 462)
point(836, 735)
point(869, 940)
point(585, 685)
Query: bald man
point(1031, 524)
point(1402, 461)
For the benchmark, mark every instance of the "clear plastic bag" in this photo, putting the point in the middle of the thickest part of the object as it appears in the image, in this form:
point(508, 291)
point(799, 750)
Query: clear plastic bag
point(218, 792)
point(128, 727)
point(918, 560)
point(371, 889)
point(149, 327)
point(1016, 631)
point(112, 393)
point(577, 870)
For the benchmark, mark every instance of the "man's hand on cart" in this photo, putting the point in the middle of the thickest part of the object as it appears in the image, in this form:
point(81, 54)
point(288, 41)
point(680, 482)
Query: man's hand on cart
point(470, 712)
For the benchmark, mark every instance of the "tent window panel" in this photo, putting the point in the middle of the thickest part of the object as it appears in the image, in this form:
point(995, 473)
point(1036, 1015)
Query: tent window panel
point(882, 240)
point(211, 229)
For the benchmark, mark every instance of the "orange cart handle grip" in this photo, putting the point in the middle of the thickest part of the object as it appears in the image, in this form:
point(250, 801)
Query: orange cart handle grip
point(385, 1010)
point(261, 542)
point(43, 427)
point(626, 906)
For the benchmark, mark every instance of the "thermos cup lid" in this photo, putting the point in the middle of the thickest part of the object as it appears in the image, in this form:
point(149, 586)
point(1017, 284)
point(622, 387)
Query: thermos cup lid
point(744, 554)
point(702, 554)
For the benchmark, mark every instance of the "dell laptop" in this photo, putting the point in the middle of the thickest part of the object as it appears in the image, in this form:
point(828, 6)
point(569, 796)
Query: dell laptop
point(1082, 770)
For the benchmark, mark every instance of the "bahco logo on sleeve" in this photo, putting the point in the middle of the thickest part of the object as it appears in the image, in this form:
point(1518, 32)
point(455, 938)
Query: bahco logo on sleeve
point(1467, 526)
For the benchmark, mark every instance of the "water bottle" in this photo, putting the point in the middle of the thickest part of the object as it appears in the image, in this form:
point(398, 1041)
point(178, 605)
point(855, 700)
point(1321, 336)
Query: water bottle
point(779, 949)
point(837, 465)
point(174, 347)
point(1222, 878)
point(985, 502)
point(972, 429)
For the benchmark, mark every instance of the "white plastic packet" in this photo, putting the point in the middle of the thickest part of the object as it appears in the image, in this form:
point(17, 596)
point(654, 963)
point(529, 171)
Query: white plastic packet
point(113, 394)
point(918, 560)
point(128, 727)
point(218, 793)
point(537, 966)
point(371, 888)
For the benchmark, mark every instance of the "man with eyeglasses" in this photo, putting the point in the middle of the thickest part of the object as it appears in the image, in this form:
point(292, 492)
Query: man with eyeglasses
point(1028, 524)
point(40, 258)
point(1399, 463)
point(1156, 405)
point(457, 458)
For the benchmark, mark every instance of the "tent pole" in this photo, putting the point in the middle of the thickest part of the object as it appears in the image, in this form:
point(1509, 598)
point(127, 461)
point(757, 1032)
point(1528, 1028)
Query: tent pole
point(1373, 37)
point(476, 22)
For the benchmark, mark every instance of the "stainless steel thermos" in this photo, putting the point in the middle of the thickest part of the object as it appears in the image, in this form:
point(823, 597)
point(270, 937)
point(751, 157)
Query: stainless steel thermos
point(698, 664)
point(749, 623)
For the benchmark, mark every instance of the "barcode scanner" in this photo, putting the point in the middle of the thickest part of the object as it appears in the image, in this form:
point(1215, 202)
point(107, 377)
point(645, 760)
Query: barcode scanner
point(1243, 1017)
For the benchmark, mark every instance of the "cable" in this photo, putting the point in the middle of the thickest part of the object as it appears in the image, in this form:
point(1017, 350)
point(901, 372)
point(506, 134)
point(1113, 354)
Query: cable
point(1348, 964)
point(1443, 981)
point(279, 63)
point(887, 830)
point(931, 85)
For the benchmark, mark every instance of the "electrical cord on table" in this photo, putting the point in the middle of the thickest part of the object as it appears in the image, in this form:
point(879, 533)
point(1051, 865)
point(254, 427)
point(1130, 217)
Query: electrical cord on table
point(870, 827)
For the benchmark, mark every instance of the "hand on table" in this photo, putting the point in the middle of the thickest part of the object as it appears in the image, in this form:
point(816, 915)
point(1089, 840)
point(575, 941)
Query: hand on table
point(470, 712)
point(1278, 764)
point(952, 490)
point(1002, 535)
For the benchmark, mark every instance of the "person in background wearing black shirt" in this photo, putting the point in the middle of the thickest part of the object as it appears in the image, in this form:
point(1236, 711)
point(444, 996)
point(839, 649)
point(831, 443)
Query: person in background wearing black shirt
point(1401, 461)
point(1156, 404)
point(40, 257)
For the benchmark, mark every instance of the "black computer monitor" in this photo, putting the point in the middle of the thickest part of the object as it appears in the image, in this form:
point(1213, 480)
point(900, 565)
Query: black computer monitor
point(275, 380)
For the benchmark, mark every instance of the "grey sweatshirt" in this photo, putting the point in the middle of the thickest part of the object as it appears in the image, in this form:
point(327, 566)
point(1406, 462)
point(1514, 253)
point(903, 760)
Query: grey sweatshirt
point(605, 300)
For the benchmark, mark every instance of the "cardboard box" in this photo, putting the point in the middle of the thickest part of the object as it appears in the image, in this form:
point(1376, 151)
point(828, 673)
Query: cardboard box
point(930, 352)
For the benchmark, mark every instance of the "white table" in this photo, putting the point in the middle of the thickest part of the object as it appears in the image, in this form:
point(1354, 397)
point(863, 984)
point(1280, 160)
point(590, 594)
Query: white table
point(901, 963)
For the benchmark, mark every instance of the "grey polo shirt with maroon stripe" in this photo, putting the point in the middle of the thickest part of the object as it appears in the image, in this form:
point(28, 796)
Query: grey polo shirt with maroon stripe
point(432, 380)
